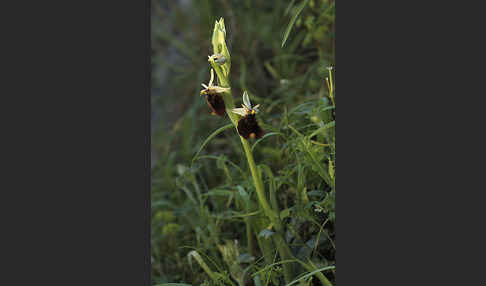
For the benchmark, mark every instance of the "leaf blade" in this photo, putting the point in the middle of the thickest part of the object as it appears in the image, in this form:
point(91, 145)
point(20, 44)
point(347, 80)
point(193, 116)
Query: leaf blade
point(211, 137)
point(292, 21)
point(265, 136)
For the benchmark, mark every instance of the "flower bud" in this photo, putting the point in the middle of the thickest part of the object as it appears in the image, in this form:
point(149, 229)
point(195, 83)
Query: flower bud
point(218, 58)
point(219, 46)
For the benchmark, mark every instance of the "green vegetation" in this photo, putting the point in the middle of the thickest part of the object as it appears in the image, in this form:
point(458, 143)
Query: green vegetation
point(231, 211)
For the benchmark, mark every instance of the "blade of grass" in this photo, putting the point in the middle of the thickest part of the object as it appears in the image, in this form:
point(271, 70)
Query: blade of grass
point(179, 45)
point(327, 126)
point(292, 21)
point(273, 264)
point(203, 264)
point(291, 4)
point(312, 273)
point(226, 160)
point(265, 136)
point(228, 126)
point(173, 284)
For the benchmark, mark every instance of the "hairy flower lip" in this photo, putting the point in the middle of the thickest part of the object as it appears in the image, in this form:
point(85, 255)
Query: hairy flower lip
point(213, 96)
point(216, 103)
point(247, 126)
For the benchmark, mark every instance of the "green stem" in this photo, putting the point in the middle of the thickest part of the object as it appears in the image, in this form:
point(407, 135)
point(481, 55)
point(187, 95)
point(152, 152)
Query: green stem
point(229, 103)
point(258, 183)
point(282, 247)
point(249, 236)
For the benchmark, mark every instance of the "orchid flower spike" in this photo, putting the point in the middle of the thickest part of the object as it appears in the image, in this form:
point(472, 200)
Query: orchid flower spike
point(213, 89)
point(247, 109)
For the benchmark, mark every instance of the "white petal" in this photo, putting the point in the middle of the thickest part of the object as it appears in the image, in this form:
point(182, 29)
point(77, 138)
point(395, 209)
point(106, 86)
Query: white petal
point(219, 89)
point(240, 111)
point(246, 99)
point(212, 78)
point(246, 108)
point(220, 60)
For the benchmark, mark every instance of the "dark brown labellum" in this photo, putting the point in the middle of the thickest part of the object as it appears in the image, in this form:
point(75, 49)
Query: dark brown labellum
point(248, 127)
point(216, 103)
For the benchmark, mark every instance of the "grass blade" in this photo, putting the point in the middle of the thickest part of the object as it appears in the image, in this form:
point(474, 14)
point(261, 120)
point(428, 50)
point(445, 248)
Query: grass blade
point(291, 4)
point(273, 264)
point(204, 266)
point(265, 136)
point(226, 160)
point(292, 21)
point(211, 137)
point(173, 284)
point(310, 274)
point(327, 126)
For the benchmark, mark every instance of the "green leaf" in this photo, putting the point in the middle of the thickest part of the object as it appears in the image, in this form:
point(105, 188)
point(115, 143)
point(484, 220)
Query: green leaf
point(194, 254)
point(245, 258)
point(226, 159)
point(316, 193)
point(243, 193)
point(285, 213)
point(292, 21)
point(219, 193)
point(265, 136)
point(327, 108)
point(310, 274)
point(211, 137)
point(173, 284)
point(291, 4)
point(265, 233)
point(272, 265)
point(271, 70)
point(327, 126)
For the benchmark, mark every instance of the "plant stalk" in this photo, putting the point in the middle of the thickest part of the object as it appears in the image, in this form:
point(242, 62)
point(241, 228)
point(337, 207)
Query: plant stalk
point(271, 214)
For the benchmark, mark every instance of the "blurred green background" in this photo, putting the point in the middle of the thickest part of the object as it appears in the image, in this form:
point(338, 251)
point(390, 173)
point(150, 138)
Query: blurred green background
point(195, 206)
